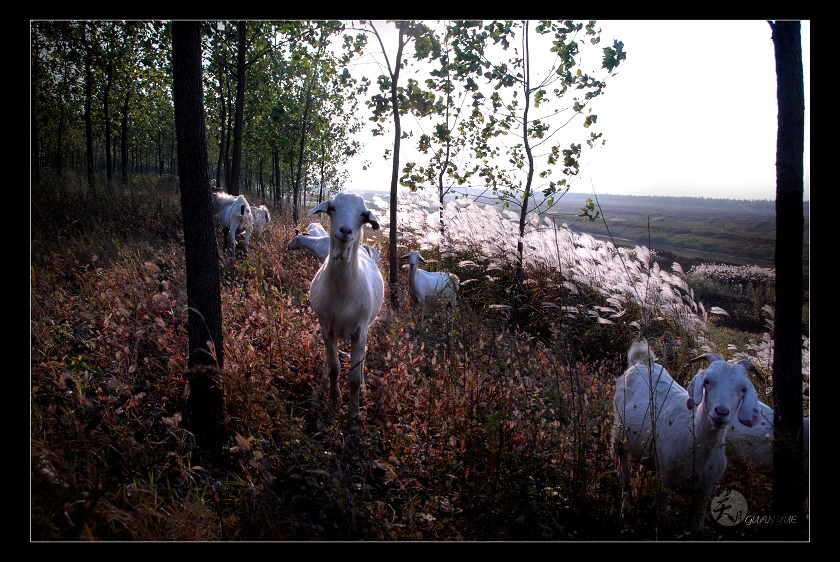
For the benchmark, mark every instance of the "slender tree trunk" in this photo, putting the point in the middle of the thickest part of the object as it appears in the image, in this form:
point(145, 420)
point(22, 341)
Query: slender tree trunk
point(172, 159)
point(202, 260)
point(36, 149)
point(124, 138)
point(159, 152)
point(88, 109)
point(106, 108)
point(789, 486)
point(445, 163)
point(59, 160)
point(303, 127)
point(205, 411)
point(323, 165)
point(222, 131)
point(393, 270)
point(239, 121)
point(278, 199)
point(520, 250)
point(228, 133)
point(260, 177)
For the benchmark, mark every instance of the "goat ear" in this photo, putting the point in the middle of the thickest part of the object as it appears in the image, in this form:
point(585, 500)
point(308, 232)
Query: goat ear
point(748, 412)
point(371, 219)
point(421, 258)
point(695, 391)
point(322, 208)
point(404, 257)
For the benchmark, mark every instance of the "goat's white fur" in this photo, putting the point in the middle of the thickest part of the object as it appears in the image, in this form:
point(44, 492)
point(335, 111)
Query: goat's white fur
point(316, 229)
point(261, 218)
point(753, 446)
point(318, 246)
point(234, 214)
point(680, 432)
point(424, 287)
point(347, 291)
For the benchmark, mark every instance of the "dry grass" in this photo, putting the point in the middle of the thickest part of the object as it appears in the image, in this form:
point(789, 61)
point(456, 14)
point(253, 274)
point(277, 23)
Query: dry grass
point(479, 433)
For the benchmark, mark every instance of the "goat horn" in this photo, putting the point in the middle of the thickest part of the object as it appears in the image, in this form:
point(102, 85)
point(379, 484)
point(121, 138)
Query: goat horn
point(707, 357)
point(748, 366)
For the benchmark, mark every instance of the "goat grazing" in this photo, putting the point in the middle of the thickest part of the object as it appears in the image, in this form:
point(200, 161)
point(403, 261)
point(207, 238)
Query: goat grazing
point(347, 291)
point(234, 214)
point(680, 432)
point(318, 246)
point(261, 218)
point(425, 287)
point(753, 446)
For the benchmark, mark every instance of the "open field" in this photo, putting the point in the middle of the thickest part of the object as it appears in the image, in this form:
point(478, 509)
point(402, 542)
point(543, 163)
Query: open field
point(688, 229)
point(694, 229)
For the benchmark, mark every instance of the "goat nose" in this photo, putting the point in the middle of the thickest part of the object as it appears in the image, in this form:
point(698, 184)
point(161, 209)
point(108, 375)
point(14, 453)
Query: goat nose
point(722, 411)
point(345, 230)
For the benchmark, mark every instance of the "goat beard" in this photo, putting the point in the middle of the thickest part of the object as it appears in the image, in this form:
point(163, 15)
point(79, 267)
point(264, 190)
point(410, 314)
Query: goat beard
point(341, 251)
point(341, 254)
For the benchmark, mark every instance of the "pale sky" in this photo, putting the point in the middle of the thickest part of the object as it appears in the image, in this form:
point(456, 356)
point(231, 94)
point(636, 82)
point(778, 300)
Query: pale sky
point(691, 112)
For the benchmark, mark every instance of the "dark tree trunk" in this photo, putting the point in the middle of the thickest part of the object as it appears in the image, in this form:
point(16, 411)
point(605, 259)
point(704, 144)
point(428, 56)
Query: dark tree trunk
point(276, 165)
point(393, 270)
point(59, 160)
point(323, 164)
point(124, 140)
point(106, 108)
point(789, 485)
point(303, 127)
point(160, 161)
point(36, 149)
point(521, 313)
point(205, 411)
point(526, 196)
point(228, 132)
point(223, 131)
point(260, 177)
point(202, 260)
point(298, 175)
point(88, 50)
point(239, 119)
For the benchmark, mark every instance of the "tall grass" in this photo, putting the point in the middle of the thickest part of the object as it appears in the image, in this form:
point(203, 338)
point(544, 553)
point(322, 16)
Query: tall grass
point(479, 432)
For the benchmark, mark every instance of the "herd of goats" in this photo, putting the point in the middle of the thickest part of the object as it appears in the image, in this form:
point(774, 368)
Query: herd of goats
point(684, 434)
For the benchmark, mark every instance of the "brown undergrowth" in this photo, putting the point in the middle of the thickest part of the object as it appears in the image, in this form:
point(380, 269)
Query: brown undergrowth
point(474, 431)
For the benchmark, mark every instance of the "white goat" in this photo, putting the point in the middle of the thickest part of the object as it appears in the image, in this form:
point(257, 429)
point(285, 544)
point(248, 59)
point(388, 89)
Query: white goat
point(234, 214)
point(425, 287)
point(261, 218)
point(316, 229)
point(753, 446)
point(318, 246)
point(347, 291)
point(681, 433)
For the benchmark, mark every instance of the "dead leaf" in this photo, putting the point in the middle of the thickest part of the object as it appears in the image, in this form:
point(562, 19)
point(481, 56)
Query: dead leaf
point(243, 443)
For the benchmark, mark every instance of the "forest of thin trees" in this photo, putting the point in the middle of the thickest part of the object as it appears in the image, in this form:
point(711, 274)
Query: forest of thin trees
point(102, 103)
